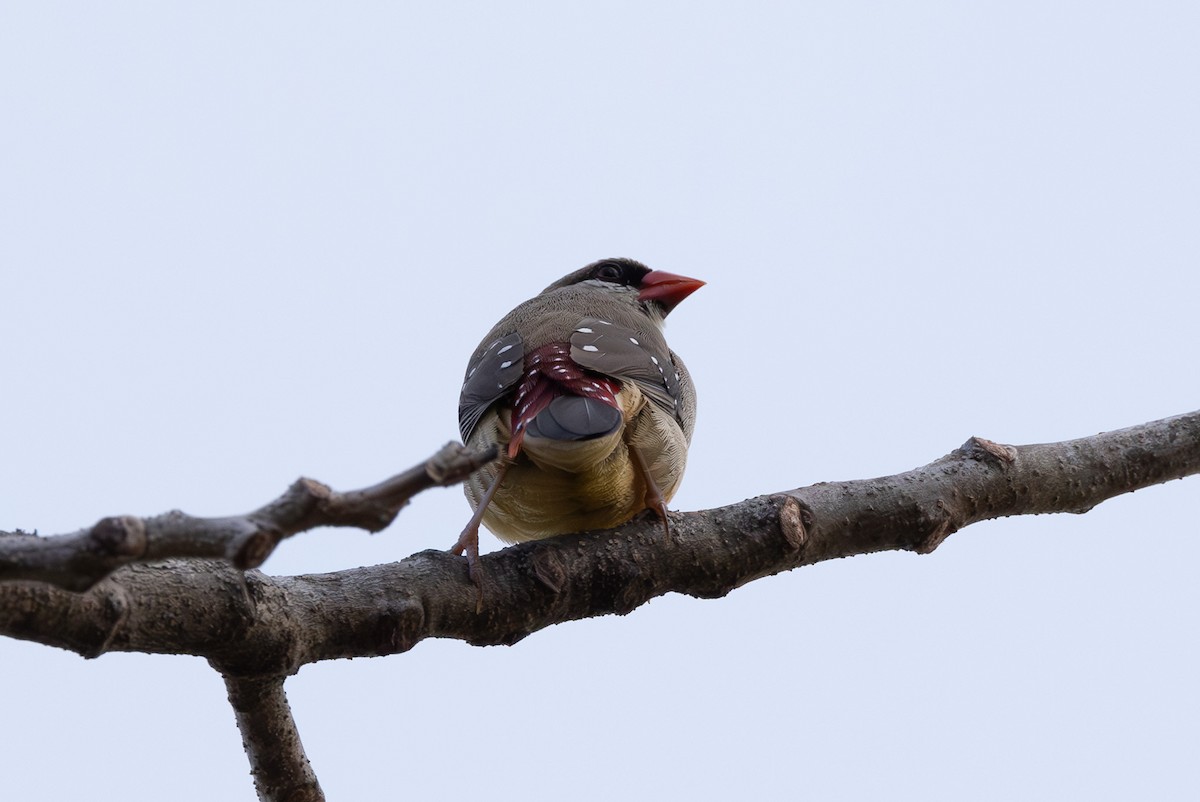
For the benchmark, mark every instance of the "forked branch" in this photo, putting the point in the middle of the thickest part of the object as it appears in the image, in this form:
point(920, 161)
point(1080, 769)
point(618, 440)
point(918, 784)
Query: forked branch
point(257, 629)
point(79, 560)
point(255, 624)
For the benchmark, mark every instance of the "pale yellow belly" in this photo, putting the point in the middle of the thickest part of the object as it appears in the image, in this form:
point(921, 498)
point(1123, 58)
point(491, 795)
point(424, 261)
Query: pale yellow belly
point(598, 490)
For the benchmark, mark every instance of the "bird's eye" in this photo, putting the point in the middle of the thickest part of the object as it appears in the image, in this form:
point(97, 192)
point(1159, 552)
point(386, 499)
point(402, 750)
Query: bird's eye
point(608, 272)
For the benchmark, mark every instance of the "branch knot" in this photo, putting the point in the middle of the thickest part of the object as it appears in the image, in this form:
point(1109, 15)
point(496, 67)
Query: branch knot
point(983, 450)
point(120, 536)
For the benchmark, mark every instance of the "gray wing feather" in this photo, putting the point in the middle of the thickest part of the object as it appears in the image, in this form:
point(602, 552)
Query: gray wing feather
point(631, 355)
point(686, 413)
point(492, 373)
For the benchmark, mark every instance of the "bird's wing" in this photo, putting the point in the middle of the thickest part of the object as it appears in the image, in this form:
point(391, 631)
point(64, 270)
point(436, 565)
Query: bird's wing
point(492, 373)
point(629, 355)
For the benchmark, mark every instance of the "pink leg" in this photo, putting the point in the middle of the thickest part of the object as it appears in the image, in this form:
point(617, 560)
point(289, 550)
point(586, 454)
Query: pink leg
point(654, 498)
point(468, 541)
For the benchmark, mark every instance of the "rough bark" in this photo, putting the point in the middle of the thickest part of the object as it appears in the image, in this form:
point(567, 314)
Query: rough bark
point(250, 624)
point(281, 769)
point(79, 560)
point(256, 629)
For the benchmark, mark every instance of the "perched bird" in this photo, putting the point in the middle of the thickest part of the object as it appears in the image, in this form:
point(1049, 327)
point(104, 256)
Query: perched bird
point(592, 412)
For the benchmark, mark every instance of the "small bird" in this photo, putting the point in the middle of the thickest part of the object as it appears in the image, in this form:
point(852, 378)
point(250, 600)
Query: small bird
point(592, 412)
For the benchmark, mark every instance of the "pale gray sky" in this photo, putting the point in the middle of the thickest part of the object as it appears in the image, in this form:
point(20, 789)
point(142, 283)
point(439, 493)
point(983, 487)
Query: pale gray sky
point(240, 244)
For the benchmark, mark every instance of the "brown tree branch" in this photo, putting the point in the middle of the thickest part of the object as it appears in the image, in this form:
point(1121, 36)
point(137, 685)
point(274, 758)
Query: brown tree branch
point(272, 626)
point(257, 629)
point(281, 769)
point(78, 561)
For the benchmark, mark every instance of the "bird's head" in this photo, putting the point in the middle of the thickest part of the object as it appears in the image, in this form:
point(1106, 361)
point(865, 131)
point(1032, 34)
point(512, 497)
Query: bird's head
point(655, 289)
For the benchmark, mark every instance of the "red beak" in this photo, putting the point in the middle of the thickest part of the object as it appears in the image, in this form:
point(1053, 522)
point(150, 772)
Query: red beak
point(667, 288)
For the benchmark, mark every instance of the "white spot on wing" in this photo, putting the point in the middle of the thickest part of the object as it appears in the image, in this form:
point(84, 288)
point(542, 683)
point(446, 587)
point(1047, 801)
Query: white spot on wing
point(590, 348)
point(506, 364)
point(634, 341)
point(584, 330)
point(502, 350)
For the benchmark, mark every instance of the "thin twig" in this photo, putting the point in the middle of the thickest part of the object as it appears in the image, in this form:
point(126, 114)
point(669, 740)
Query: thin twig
point(79, 560)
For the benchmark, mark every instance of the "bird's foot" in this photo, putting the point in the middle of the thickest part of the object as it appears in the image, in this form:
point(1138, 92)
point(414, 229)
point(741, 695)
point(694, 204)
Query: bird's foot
point(660, 509)
point(468, 542)
point(653, 498)
point(468, 545)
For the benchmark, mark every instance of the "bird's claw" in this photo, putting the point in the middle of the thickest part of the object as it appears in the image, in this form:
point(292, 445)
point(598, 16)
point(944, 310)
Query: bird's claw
point(468, 546)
